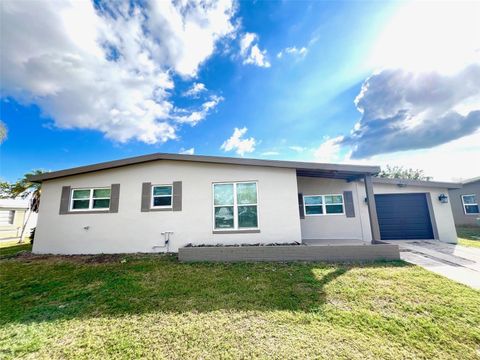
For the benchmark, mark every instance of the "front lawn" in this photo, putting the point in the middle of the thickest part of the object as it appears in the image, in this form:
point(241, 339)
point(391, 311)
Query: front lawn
point(469, 235)
point(154, 307)
point(8, 248)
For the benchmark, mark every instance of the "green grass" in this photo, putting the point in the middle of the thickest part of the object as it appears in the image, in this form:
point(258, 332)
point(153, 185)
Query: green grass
point(8, 248)
point(469, 235)
point(154, 307)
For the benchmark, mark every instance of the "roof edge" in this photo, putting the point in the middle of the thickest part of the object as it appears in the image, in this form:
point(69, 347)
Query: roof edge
point(409, 182)
point(360, 169)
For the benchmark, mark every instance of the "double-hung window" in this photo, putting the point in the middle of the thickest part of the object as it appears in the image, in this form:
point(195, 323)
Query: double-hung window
point(470, 204)
point(323, 205)
point(90, 199)
point(235, 206)
point(161, 196)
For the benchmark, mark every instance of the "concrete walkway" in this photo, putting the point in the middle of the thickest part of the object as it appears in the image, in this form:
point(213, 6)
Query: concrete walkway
point(456, 262)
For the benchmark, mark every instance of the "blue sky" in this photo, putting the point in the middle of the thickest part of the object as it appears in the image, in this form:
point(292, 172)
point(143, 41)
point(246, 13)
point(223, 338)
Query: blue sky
point(255, 79)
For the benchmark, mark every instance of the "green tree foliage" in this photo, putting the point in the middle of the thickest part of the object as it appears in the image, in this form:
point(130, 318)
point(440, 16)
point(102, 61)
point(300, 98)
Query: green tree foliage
point(399, 172)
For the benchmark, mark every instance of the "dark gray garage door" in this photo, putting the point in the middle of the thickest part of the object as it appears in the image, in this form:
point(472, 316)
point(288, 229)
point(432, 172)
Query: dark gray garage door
point(403, 216)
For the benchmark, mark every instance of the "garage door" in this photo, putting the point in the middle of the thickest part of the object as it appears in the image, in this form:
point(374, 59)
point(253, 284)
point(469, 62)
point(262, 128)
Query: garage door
point(403, 216)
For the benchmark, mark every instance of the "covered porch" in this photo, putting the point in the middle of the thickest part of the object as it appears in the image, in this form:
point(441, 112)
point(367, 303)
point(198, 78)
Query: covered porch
point(337, 205)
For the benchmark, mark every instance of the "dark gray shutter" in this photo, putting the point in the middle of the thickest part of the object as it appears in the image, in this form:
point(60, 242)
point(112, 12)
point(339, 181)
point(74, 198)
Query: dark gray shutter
point(146, 196)
point(177, 196)
point(114, 197)
point(348, 200)
point(65, 200)
point(300, 206)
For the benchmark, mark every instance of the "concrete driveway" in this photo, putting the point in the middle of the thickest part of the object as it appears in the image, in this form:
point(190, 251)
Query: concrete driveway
point(456, 262)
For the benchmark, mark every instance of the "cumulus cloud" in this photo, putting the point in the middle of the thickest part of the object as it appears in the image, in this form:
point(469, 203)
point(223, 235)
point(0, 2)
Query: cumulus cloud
point(404, 110)
point(195, 117)
point(109, 67)
point(250, 51)
point(293, 51)
point(237, 143)
point(184, 151)
point(329, 150)
point(195, 90)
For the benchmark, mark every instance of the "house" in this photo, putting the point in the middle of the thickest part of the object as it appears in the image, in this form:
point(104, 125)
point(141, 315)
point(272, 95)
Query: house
point(14, 216)
point(465, 203)
point(162, 202)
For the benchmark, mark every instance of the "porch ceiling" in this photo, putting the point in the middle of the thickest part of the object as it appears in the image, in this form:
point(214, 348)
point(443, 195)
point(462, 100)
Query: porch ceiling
point(331, 174)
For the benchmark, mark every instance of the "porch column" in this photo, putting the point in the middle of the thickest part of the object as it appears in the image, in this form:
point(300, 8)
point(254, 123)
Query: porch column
point(372, 209)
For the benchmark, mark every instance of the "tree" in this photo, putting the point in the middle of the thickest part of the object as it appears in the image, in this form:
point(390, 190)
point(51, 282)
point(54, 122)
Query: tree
point(24, 188)
point(399, 172)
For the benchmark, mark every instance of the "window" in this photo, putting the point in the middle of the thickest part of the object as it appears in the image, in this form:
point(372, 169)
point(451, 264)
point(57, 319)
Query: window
point(235, 206)
point(6, 217)
point(161, 196)
point(470, 204)
point(90, 199)
point(323, 205)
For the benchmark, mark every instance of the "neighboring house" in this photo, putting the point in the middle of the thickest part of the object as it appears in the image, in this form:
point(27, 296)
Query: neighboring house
point(466, 203)
point(13, 215)
point(161, 202)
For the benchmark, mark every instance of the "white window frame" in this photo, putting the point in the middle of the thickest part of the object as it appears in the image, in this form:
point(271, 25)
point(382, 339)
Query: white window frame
point(323, 205)
point(465, 205)
point(235, 206)
point(152, 197)
point(90, 199)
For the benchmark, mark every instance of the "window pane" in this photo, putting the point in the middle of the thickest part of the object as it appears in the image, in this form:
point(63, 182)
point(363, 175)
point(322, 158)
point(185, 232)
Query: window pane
point(99, 193)
point(80, 204)
point(101, 204)
point(334, 209)
point(471, 209)
point(313, 200)
point(247, 193)
point(247, 217)
point(469, 199)
point(162, 201)
point(224, 217)
point(314, 210)
point(223, 194)
point(162, 190)
point(333, 199)
point(81, 194)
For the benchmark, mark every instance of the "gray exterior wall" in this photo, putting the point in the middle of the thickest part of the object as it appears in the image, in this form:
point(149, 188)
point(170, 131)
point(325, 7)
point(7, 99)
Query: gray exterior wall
point(457, 206)
point(349, 253)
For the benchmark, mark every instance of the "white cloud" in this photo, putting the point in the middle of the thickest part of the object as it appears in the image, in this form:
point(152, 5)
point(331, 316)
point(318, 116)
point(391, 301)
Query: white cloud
point(237, 143)
point(270, 153)
point(195, 90)
point(329, 150)
point(293, 51)
point(251, 52)
point(421, 97)
point(190, 151)
point(110, 69)
point(297, 149)
point(452, 161)
point(195, 117)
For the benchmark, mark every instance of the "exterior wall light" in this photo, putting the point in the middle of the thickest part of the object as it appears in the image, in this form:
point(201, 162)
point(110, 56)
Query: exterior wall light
point(443, 198)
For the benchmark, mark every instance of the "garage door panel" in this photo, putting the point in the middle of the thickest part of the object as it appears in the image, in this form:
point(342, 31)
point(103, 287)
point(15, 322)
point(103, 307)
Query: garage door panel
point(403, 216)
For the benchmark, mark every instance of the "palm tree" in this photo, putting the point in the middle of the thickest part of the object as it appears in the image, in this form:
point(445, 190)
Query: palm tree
point(24, 188)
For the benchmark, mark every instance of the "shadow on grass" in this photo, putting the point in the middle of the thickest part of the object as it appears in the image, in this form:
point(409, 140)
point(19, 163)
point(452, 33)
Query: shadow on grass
point(51, 288)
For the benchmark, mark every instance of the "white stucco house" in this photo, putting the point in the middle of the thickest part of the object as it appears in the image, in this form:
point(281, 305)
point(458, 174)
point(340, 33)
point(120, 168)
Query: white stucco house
point(162, 202)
